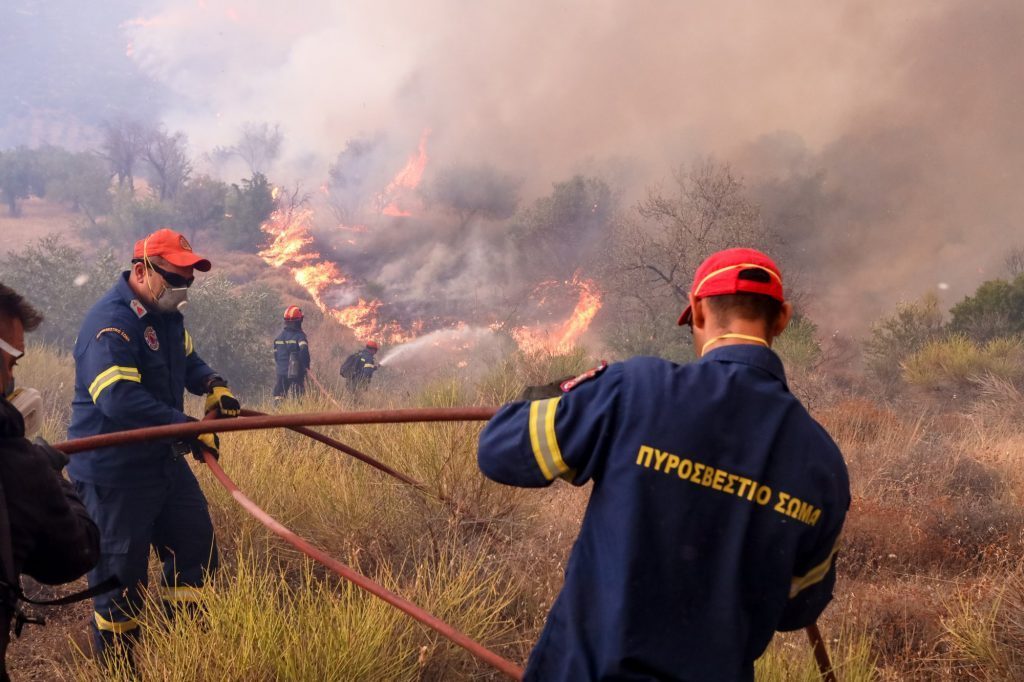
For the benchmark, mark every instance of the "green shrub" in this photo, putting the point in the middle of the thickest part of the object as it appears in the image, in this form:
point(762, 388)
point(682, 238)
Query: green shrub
point(957, 362)
point(896, 336)
point(797, 346)
point(996, 309)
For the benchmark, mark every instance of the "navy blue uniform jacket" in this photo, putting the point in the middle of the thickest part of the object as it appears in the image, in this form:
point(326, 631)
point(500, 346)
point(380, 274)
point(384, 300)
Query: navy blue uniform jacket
point(132, 367)
point(713, 521)
point(291, 340)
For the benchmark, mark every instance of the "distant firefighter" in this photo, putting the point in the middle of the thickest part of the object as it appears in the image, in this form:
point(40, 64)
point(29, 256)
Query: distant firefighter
point(291, 356)
point(359, 367)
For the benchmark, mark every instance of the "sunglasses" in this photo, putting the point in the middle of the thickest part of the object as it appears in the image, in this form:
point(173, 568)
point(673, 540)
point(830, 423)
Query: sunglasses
point(175, 280)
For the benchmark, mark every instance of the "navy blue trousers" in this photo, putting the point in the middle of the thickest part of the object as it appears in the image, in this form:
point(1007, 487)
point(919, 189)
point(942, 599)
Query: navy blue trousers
point(170, 515)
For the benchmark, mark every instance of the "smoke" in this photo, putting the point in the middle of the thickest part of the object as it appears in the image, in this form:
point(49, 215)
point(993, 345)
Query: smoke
point(882, 139)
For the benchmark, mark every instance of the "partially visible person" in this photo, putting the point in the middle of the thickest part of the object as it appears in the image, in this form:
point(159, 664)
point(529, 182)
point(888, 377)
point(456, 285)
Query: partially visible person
point(717, 500)
point(134, 359)
point(291, 356)
point(359, 367)
point(45, 531)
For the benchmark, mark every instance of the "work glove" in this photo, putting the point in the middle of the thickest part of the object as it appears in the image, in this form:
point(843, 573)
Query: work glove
point(206, 441)
point(552, 390)
point(222, 399)
point(56, 459)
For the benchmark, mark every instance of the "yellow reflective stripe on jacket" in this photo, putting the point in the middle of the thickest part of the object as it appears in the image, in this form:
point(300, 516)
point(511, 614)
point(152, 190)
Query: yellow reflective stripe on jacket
point(111, 375)
point(181, 593)
point(189, 348)
point(543, 439)
point(115, 626)
point(813, 576)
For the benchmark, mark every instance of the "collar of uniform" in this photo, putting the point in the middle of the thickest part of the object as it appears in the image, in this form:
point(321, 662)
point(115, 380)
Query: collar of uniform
point(129, 297)
point(749, 354)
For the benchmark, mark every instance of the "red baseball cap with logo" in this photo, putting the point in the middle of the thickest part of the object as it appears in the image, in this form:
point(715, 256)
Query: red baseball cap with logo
point(725, 273)
point(172, 247)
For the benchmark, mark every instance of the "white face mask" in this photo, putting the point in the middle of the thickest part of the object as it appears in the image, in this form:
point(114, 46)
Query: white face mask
point(29, 402)
point(169, 300)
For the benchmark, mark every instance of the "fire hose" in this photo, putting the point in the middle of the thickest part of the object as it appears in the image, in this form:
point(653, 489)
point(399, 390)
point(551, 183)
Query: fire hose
point(299, 423)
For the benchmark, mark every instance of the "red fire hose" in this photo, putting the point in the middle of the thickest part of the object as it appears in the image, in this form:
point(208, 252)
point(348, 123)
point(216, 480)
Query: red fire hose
point(252, 420)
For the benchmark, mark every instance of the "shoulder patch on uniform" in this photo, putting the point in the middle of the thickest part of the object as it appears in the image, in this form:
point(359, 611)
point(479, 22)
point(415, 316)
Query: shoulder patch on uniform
point(137, 308)
point(114, 330)
point(151, 340)
point(567, 386)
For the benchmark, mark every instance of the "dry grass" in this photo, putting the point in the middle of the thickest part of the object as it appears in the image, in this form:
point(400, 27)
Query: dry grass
point(930, 581)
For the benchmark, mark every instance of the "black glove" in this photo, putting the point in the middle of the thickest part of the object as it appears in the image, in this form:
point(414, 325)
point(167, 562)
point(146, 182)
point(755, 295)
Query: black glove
point(57, 459)
point(552, 390)
point(222, 399)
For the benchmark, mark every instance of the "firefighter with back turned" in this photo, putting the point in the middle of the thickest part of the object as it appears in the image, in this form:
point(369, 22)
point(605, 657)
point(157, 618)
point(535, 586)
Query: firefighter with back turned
point(134, 359)
point(717, 500)
point(291, 356)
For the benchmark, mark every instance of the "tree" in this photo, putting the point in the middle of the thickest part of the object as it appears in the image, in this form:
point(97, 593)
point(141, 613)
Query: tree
point(83, 181)
point(357, 175)
point(899, 335)
point(655, 255)
point(200, 205)
point(20, 178)
point(1014, 261)
point(167, 156)
point(248, 207)
point(561, 232)
point(259, 145)
point(475, 191)
point(995, 310)
point(124, 142)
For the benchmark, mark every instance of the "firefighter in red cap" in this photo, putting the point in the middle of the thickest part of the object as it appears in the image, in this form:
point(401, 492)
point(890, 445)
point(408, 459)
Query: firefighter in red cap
point(133, 361)
point(291, 356)
point(717, 503)
point(359, 367)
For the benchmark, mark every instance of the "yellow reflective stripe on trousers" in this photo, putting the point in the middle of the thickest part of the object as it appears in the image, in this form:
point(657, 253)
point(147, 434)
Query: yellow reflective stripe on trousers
point(181, 593)
point(115, 626)
point(189, 348)
point(543, 439)
point(111, 375)
point(813, 576)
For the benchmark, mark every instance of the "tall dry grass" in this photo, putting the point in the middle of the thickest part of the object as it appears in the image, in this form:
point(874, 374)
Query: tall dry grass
point(929, 585)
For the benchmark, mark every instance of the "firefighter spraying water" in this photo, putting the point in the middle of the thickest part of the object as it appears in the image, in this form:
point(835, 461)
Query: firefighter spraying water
point(358, 368)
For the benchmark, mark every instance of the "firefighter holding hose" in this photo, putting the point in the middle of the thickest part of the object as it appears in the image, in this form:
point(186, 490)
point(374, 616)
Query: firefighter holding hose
point(133, 361)
point(291, 356)
point(717, 503)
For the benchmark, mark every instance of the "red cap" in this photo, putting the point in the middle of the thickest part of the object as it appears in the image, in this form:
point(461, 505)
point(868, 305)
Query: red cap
point(719, 275)
point(372, 344)
point(172, 247)
point(293, 312)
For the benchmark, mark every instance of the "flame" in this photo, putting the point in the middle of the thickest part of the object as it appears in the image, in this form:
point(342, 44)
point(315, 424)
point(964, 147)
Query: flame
point(407, 180)
point(543, 339)
point(292, 239)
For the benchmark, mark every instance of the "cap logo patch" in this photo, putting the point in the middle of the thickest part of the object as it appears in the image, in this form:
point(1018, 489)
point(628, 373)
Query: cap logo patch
point(184, 243)
point(151, 340)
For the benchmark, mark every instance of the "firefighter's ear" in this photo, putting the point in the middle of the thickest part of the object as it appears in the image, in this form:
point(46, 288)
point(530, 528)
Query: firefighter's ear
point(138, 272)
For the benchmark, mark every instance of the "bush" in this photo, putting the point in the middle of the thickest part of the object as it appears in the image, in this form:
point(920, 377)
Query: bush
point(60, 283)
point(233, 330)
point(958, 363)
point(798, 347)
point(996, 309)
point(899, 335)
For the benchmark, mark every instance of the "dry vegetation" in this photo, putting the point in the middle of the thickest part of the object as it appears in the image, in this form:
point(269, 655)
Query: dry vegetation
point(930, 584)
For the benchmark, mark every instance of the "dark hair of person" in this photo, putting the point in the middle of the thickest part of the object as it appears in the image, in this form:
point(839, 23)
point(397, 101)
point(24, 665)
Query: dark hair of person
point(746, 306)
point(14, 307)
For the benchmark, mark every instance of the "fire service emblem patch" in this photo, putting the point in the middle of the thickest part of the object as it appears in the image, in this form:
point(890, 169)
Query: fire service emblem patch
point(567, 386)
point(138, 308)
point(151, 340)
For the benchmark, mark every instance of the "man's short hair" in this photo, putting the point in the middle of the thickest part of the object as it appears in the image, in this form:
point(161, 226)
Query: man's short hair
point(747, 306)
point(14, 307)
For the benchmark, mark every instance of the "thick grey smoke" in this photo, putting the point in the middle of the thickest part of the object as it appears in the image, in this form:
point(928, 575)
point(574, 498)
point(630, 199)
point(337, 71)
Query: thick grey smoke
point(883, 139)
